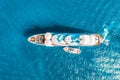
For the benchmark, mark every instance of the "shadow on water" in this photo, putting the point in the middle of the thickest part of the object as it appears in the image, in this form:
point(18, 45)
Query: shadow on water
point(36, 29)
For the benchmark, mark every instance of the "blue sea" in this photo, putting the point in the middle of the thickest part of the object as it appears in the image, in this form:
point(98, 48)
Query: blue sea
point(21, 60)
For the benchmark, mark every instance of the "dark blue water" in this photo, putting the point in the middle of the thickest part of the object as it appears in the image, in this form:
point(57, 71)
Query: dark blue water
point(21, 60)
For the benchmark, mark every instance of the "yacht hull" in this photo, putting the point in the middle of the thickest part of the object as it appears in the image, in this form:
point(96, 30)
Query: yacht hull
point(67, 39)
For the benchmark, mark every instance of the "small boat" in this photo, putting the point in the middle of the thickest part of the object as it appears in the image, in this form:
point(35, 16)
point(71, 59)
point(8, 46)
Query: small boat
point(72, 50)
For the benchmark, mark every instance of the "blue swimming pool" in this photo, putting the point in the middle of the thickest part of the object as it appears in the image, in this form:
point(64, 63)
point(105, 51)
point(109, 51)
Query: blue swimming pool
point(21, 60)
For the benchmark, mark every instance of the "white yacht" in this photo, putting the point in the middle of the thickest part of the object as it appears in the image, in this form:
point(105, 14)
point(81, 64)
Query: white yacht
point(68, 40)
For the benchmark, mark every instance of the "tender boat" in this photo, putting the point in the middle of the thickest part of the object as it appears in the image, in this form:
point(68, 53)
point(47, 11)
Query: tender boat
point(72, 50)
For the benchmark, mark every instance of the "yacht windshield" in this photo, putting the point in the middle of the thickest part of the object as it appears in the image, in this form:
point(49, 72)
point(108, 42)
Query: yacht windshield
point(40, 39)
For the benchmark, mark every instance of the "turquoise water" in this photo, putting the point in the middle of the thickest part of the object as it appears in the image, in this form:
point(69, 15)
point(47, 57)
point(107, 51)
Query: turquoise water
point(21, 60)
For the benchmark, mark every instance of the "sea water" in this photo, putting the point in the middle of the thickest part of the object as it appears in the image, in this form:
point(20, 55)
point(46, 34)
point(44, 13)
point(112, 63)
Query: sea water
point(21, 60)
